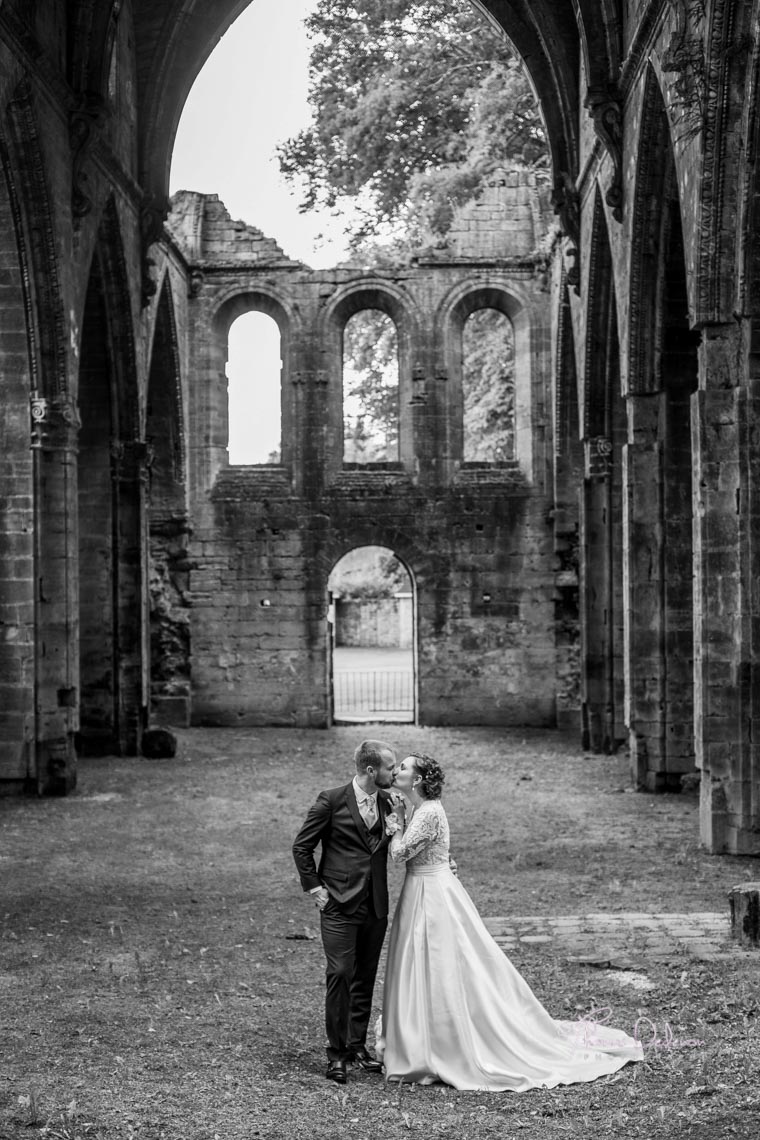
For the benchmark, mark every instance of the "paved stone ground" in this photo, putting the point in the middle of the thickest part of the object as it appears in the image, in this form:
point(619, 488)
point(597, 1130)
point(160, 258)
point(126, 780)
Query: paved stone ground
point(624, 941)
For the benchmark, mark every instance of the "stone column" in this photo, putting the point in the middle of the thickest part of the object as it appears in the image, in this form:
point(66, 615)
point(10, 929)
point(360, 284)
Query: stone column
point(597, 696)
point(725, 434)
point(54, 444)
point(129, 471)
point(645, 670)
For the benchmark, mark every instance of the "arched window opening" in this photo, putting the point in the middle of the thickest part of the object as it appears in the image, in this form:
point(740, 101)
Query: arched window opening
point(254, 390)
point(372, 624)
point(488, 387)
point(370, 389)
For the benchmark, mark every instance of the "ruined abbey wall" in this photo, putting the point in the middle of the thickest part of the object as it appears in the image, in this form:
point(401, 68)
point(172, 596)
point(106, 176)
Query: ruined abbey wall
point(476, 538)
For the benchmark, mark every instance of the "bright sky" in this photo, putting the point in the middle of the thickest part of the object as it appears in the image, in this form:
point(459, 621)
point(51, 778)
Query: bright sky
point(252, 94)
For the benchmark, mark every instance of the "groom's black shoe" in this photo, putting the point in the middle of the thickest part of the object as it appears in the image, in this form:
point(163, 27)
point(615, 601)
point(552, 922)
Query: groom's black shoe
point(362, 1058)
point(336, 1071)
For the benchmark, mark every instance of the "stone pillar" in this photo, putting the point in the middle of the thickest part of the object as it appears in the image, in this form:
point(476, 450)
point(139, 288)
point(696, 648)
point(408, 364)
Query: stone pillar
point(56, 556)
point(725, 433)
point(423, 411)
point(129, 471)
point(17, 568)
point(597, 695)
point(744, 902)
point(645, 668)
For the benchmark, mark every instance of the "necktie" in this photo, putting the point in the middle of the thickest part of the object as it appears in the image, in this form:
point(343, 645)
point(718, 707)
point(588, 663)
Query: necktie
point(370, 815)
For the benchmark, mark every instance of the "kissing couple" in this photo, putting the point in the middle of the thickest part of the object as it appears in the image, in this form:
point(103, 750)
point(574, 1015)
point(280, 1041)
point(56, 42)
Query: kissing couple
point(455, 1010)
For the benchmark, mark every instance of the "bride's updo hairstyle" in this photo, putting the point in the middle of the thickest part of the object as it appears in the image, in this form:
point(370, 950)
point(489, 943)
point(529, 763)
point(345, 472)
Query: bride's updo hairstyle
point(432, 775)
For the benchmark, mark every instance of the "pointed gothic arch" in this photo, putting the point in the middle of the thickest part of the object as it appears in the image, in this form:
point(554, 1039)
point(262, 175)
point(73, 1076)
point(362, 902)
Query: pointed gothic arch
point(568, 476)
point(662, 375)
point(168, 523)
point(655, 207)
point(50, 758)
point(730, 34)
point(112, 524)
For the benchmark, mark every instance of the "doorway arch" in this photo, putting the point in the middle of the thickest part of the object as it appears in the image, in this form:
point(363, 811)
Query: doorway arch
point(371, 638)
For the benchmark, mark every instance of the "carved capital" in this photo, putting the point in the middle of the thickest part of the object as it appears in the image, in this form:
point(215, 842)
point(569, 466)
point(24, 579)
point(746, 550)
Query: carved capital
point(195, 282)
point(567, 206)
point(86, 121)
point(38, 408)
point(606, 110)
point(541, 275)
point(153, 212)
point(597, 452)
point(55, 422)
point(574, 270)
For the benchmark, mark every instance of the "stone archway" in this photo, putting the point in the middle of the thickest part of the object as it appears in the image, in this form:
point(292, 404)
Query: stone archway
point(372, 640)
point(662, 376)
point(169, 526)
point(568, 478)
point(42, 615)
point(112, 473)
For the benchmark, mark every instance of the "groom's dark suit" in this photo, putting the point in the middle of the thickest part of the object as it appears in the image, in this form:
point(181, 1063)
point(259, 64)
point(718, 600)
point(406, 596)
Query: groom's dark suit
point(353, 869)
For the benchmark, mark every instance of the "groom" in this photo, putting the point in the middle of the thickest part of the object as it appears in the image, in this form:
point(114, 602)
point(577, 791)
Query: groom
point(350, 889)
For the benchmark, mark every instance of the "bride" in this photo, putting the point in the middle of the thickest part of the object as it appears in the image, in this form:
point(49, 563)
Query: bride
point(455, 1009)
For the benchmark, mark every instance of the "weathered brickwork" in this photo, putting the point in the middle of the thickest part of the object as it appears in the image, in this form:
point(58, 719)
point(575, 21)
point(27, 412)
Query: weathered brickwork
point(477, 538)
point(134, 561)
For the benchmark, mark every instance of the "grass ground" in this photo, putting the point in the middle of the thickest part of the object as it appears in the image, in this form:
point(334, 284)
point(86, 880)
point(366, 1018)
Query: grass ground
point(160, 978)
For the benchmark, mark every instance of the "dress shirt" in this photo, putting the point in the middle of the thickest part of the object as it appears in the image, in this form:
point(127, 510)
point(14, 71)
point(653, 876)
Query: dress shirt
point(367, 802)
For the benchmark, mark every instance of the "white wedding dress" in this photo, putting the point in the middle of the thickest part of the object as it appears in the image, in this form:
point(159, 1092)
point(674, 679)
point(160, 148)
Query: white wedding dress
point(455, 1009)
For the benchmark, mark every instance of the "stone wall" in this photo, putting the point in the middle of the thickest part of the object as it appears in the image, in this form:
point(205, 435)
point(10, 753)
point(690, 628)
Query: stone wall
point(476, 538)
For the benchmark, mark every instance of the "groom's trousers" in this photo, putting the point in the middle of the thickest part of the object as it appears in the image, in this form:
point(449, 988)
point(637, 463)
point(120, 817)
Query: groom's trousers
point(352, 944)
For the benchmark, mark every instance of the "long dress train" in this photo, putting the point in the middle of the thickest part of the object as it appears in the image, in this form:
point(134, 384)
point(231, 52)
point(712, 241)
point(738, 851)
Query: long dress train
point(455, 1009)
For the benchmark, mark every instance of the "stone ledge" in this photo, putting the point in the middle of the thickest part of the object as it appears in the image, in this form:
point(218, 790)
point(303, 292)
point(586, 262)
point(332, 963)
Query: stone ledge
point(597, 936)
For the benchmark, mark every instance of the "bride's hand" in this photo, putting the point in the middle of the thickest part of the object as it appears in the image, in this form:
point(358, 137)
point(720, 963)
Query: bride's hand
point(398, 812)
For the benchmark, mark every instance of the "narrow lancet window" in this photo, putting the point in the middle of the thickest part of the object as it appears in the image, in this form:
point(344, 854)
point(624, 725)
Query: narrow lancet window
point(370, 389)
point(255, 390)
point(488, 387)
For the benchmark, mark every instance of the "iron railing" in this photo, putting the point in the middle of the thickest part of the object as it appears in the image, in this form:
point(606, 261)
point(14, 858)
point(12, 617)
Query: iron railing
point(373, 691)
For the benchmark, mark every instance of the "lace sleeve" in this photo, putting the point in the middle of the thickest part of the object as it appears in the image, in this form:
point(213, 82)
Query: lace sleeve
point(423, 830)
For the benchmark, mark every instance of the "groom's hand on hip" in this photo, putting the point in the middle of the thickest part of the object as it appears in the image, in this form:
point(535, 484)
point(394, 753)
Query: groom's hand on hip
point(321, 896)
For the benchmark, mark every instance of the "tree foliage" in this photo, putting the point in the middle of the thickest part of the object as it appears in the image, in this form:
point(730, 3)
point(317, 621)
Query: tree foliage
point(370, 388)
point(369, 572)
point(488, 387)
point(413, 101)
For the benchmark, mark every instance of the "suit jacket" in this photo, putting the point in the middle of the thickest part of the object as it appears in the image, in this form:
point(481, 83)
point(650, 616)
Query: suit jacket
point(353, 859)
